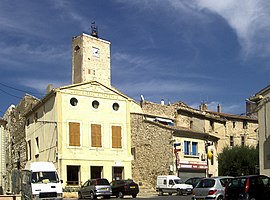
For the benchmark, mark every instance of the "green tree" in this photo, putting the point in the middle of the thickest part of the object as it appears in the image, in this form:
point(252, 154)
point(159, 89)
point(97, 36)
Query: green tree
point(238, 160)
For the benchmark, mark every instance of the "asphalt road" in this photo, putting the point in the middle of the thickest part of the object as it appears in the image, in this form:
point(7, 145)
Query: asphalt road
point(148, 197)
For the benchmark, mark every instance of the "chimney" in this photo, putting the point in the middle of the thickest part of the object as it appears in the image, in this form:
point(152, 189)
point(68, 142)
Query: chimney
point(219, 108)
point(203, 107)
point(162, 102)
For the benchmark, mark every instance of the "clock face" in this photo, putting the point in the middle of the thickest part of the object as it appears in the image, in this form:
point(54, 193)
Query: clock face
point(95, 51)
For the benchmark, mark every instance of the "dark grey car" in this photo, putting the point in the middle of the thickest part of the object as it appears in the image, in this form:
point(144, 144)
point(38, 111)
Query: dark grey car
point(94, 188)
point(211, 188)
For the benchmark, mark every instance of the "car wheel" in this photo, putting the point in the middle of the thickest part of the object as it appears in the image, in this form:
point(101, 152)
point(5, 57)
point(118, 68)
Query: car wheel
point(220, 198)
point(134, 195)
point(92, 196)
point(120, 195)
point(79, 195)
point(179, 192)
point(160, 193)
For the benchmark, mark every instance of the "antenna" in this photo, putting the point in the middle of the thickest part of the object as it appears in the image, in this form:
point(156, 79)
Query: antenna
point(94, 29)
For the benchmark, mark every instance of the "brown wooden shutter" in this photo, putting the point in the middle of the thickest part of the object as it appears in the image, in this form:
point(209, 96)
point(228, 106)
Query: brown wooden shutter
point(116, 137)
point(74, 134)
point(95, 135)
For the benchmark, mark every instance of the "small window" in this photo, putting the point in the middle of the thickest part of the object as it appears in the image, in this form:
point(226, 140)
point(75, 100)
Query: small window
point(95, 104)
point(231, 141)
point(212, 124)
point(191, 124)
point(234, 124)
point(243, 140)
point(77, 48)
point(245, 125)
point(115, 106)
point(73, 101)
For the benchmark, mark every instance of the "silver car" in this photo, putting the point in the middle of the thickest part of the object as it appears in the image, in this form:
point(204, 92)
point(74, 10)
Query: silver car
point(94, 188)
point(211, 188)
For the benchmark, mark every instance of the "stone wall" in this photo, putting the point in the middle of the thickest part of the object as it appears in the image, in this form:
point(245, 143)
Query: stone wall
point(153, 151)
point(15, 140)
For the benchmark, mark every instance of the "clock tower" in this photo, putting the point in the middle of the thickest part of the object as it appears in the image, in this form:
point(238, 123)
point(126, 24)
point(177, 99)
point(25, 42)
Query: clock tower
point(91, 59)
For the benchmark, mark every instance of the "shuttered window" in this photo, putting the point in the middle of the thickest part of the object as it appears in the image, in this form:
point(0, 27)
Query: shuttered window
point(116, 137)
point(74, 134)
point(95, 135)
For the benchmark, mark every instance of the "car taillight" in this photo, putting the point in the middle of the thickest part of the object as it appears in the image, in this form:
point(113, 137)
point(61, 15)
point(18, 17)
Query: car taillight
point(211, 192)
point(247, 186)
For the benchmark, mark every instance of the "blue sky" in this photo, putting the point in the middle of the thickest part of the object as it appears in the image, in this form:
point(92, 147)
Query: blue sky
point(177, 50)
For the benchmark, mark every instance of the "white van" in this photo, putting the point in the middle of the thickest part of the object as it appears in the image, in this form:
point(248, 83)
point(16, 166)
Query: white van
point(172, 184)
point(41, 181)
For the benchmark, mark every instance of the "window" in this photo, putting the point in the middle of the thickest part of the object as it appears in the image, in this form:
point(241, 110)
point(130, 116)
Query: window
point(74, 134)
point(116, 137)
point(96, 172)
point(190, 148)
point(194, 148)
point(187, 148)
point(95, 135)
point(212, 124)
point(95, 104)
point(191, 124)
point(29, 150)
point(118, 173)
point(243, 140)
point(115, 106)
point(234, 124)
point(245, 124)
point(231, 141)
point(73, 101)
point(37, 148)
point(73, 175)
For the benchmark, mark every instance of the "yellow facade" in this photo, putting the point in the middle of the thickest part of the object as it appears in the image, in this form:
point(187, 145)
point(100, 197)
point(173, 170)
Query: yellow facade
point(48, 133)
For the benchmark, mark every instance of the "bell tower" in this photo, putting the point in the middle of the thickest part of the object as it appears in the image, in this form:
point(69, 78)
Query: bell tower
point(91, 58)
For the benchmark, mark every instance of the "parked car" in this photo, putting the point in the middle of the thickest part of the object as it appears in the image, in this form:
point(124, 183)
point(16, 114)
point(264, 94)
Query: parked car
point(120, 188)
point(248, 188)
point(172, 184)
point(193, 181)
point(211, 188)
point(94, 188)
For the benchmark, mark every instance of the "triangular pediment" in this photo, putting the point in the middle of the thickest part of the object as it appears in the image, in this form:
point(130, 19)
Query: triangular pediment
point(94, 89)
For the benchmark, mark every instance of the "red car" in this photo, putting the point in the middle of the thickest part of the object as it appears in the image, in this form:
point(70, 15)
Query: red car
point(120, 188)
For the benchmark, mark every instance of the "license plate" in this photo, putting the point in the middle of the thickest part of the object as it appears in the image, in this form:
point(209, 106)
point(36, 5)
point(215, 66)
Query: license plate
point(104, 188)
point(132, 186)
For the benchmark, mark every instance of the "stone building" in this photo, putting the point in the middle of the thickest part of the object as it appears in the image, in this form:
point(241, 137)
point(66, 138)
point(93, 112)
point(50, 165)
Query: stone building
point(177, 139)
point(260, 106)
point(2, 157)
point(15, 145)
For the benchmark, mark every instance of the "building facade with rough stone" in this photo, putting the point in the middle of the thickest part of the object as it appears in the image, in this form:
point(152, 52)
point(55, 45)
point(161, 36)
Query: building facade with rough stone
point(15, 145)
point(177, 139)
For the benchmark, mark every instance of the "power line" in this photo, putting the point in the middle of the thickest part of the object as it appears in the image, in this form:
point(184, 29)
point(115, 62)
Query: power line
point(10, 94)
point(18, 89)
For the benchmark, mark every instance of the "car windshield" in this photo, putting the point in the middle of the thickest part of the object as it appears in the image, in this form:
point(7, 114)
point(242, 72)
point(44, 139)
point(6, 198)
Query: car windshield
point(44, 177)
point(237, 182)
point(206, 183)
point(102, 182)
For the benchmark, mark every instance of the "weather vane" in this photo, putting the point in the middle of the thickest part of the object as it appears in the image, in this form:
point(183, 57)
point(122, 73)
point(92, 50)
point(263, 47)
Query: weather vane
point(94, 29)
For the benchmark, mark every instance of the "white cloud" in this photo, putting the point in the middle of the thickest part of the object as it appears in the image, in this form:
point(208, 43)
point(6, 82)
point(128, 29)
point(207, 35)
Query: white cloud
point(249, 19)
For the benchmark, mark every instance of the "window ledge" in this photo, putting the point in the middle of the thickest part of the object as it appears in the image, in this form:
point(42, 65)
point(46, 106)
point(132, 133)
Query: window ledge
point(191, 156)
